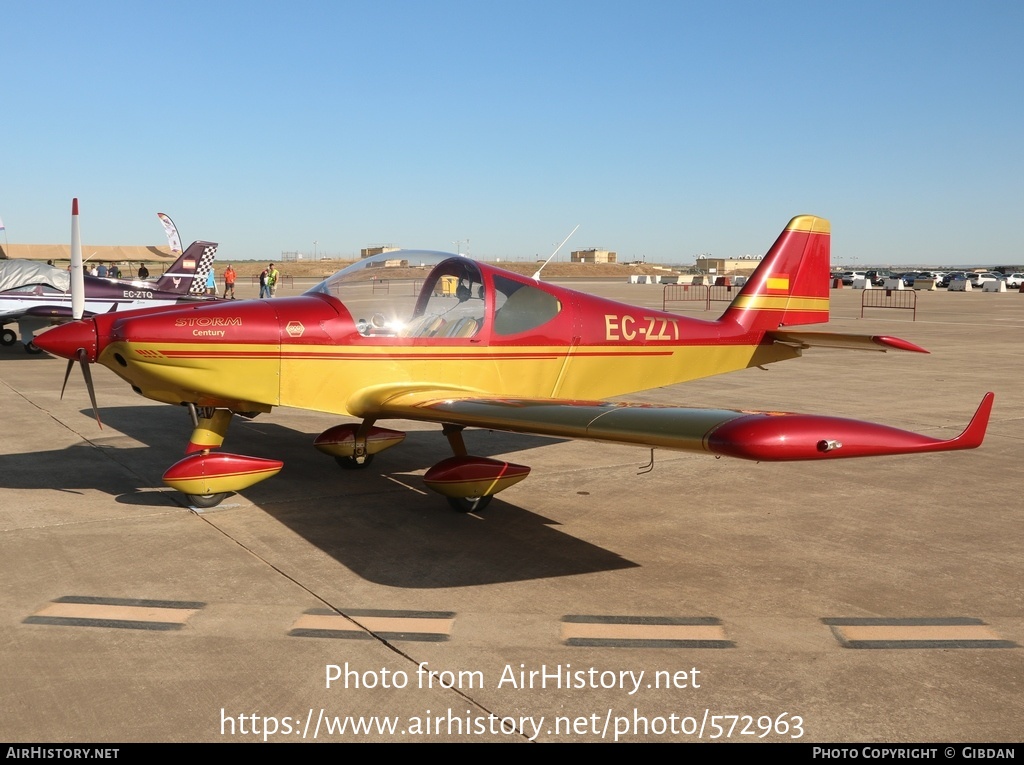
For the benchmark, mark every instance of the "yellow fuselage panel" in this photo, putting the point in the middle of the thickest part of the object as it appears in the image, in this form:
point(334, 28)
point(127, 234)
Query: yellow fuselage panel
point(325, 378)
point(310, 381)
point(242, 376)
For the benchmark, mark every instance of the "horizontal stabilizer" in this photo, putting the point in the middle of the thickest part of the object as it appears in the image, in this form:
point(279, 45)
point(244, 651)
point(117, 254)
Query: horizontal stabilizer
point(840, 340)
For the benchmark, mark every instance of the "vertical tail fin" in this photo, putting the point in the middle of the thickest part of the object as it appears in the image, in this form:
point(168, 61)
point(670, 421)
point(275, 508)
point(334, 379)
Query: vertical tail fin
point(791, 285)
point(187, 276)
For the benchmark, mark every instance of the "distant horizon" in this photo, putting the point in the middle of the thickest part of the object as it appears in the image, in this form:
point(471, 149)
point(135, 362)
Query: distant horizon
point(854, 266)
point(853, 263)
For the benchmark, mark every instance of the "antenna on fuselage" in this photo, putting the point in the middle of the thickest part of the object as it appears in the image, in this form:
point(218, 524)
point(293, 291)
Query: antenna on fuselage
point(536, 274)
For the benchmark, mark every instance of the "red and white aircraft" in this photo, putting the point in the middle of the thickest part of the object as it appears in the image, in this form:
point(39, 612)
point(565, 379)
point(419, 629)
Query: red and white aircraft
point(464, 344)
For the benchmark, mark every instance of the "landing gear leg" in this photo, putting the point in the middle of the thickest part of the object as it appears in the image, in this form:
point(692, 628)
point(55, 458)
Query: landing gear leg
point(462, 504)
point(454, 435)
point(211, 427)
point(360, 457)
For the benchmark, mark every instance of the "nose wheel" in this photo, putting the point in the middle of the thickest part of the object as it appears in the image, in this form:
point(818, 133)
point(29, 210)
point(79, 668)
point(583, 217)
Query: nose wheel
point(205, 501)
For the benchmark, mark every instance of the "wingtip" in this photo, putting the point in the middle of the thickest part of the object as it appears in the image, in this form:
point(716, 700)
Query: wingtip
point(974, 433)
point(898, 344)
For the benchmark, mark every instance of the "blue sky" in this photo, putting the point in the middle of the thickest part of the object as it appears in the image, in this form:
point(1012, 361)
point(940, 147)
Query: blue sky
point(666, 129)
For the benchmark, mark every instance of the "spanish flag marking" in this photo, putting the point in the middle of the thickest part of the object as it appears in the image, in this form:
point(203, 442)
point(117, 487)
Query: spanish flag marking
point(779, 282)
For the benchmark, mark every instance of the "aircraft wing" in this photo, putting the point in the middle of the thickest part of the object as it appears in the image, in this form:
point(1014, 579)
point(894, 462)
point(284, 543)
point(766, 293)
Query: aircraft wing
point(762, 436)
point(48, 311)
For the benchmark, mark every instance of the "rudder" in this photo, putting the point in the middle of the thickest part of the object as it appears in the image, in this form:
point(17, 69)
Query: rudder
point(187, 275)
point(791, 285)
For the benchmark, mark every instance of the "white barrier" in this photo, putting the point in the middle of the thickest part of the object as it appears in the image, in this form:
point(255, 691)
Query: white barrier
point(993, 285)
point(924, 284)
point(960, 285)
point(894, 284)
point(862, 284)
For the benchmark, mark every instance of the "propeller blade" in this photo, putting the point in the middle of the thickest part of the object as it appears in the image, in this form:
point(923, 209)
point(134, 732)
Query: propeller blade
point(83, 359)
point(67, 374)
point(77, 267)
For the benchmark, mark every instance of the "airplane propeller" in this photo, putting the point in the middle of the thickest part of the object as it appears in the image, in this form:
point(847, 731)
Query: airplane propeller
point(83, 360)
point(78, 310)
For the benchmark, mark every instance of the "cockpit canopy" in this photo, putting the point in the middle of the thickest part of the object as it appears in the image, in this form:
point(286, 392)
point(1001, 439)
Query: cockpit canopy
point(426, 294)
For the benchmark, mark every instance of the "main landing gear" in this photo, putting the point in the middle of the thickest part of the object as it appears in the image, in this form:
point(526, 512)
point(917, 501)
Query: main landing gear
point(467, 482)
point(9, 337)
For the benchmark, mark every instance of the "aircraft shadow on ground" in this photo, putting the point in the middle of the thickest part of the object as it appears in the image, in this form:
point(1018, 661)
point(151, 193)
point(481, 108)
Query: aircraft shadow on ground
point(378, 522)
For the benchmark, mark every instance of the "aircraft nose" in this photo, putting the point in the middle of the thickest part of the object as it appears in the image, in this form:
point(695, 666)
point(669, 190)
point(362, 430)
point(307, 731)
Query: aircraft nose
point(65, 340)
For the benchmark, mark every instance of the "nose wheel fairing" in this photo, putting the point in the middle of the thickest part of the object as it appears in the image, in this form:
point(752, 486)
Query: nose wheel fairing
point(208, 476)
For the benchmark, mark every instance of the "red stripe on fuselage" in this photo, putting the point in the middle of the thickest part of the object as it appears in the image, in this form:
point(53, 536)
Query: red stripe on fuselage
point(394, 356)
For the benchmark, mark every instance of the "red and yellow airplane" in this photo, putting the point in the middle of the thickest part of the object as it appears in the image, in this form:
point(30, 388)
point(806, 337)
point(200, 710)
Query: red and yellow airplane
point(477, 346)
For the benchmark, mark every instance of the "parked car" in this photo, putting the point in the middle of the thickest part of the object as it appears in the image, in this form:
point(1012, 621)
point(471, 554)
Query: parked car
point(1014, 280)
point(849, 276)
point(977, 279)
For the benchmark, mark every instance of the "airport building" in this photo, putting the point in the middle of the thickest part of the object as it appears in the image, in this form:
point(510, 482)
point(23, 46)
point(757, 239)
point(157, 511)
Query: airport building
point(593, 255)
point(739, 266)
point(377, 249)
